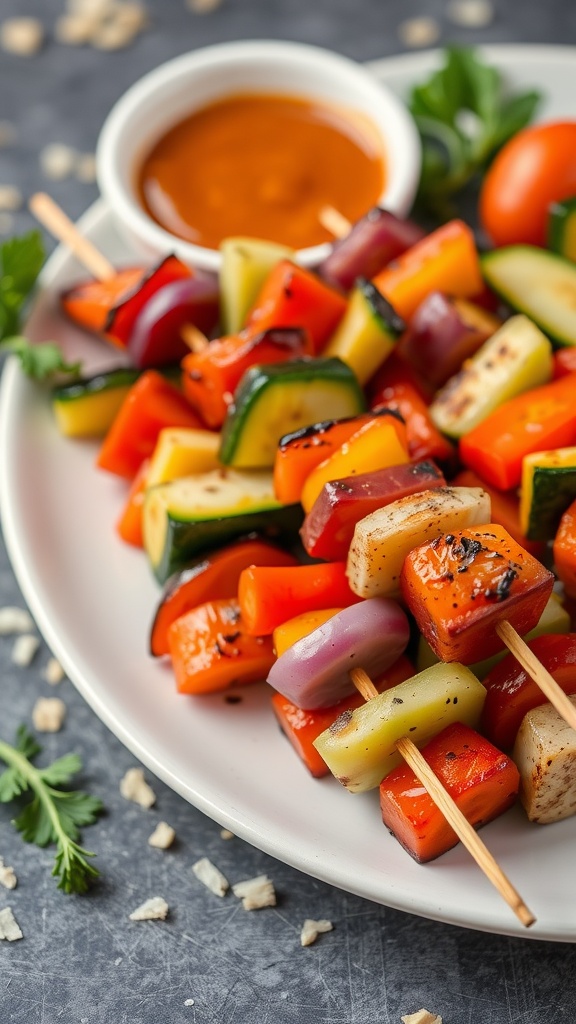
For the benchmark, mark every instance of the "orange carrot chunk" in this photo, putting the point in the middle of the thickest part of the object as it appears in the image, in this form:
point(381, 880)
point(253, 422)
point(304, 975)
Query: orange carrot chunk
point(482, 780)
point(129, 525)
point(212, 651)
point(270, 596)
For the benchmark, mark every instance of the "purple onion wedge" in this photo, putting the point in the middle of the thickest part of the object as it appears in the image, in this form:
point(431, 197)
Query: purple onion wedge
point(373, 242)
point(156, 338)
point(315, 671)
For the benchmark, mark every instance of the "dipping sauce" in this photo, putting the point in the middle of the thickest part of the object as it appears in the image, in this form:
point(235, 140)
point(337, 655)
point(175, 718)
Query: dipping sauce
point(262, 165)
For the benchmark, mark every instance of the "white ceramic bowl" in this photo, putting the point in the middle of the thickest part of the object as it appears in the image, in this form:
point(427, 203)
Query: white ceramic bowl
point(175, 89)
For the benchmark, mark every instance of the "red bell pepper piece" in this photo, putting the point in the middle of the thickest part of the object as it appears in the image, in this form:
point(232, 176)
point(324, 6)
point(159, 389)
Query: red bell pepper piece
point(270, 596)
point(210, 377)
point(534, 421)
point(303, 727)
point(424, 439)
point(295, 297)
point(511, 692)
point(151, 404)
point(564, 551)
point(482, 781)
point(212, 577)
point(301, 452)
point(89, 303)
point(396, 369)
point(328, 528)
point(563, 362)
point(211, 650)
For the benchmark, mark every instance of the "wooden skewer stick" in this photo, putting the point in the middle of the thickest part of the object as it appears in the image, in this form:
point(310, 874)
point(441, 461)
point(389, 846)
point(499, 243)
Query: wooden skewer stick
point(58, 224)
point(334, 221)
point(462, 827)
point(536, 670)
point(194, 338)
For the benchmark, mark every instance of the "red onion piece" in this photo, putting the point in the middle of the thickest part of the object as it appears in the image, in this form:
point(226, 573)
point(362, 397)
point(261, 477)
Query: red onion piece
point(315, 671)
point(155, 339)
point(373, 242)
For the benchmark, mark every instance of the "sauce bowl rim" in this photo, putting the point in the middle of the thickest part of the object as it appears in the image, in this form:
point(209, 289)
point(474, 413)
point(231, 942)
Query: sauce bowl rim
point(114, 150)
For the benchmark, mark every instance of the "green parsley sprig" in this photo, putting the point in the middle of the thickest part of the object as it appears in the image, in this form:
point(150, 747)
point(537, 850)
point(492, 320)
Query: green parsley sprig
point(55, 814)
point(21, 260)
point(464, 116)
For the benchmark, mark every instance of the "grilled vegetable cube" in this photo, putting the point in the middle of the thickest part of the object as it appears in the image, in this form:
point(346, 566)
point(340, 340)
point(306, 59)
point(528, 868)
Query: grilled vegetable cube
point(360, 746)
point(180, 452)
point(367, 332)
point(562, 228)
point(273, 400)
point(481, 780)
point(461, 585)
point(548, 489)
point(516, 358)
point(246, 263)
point(545, 753)
point(383, 539)
point(87, 407)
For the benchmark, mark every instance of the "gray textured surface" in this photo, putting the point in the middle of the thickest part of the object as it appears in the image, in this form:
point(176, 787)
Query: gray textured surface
point(82, 961)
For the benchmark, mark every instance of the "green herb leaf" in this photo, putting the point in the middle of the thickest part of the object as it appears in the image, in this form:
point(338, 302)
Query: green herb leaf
point(40, 361)
point(54, 815)
point(464, 118)
point(21, 261)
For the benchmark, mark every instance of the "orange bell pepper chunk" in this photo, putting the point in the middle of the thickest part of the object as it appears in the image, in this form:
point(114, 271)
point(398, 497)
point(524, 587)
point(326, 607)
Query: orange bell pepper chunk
point(377, 444)
point(303, 727)
point(212, 577)
point(482, 781)
point(270, 596)
point(151, 404)
point(299, 453)
point(424, 439)
point(537, 420)
point(129, 525)
point(459, 586)
point(564, 551)
point(211, 650)
point(292, 296)
point(446, 260)
point(89, 303)
point(285, 635)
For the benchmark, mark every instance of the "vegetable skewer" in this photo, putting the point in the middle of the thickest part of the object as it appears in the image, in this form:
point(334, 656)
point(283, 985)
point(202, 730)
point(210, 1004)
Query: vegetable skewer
point(462, 827)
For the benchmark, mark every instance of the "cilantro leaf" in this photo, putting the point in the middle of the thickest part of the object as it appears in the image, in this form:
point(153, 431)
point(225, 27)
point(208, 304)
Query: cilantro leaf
point(464, 117)
point(21, 261)
point(54, 815)
point(39, 361)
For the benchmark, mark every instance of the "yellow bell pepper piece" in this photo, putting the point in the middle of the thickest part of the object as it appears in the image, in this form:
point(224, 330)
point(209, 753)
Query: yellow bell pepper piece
point(182, 452)
point(289, 632)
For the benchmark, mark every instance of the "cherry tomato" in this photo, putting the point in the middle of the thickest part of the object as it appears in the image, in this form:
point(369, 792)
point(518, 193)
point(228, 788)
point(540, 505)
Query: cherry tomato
point(537, 167)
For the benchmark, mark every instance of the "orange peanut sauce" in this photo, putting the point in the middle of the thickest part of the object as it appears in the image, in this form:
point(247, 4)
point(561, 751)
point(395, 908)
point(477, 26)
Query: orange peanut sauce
point(262, 165)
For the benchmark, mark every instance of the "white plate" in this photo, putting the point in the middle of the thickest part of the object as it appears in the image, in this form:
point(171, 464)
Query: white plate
point(93, 598)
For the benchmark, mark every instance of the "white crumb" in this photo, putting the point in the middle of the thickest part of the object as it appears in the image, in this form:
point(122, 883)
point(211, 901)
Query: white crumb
point(8, 134)
point(21, 36)
point(417, 32)
point(312, 929)
point(96, 8)
point(85, 169)
point(74, 29)
point(202, 6)
point(225, 833)
point(154, 909)
point(163, 836)
point(210, 876)
point(53, 672)
point(133, 786)
point(11, 198)
point(255, 893)
point(15, 620)
point(9, 927)
point(130, 15)
point(421, 1017)
point(188, 1002)
point(48, 714)
point(24, 649)
point(57, 161)
point(7, 876)
point(470, 13)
